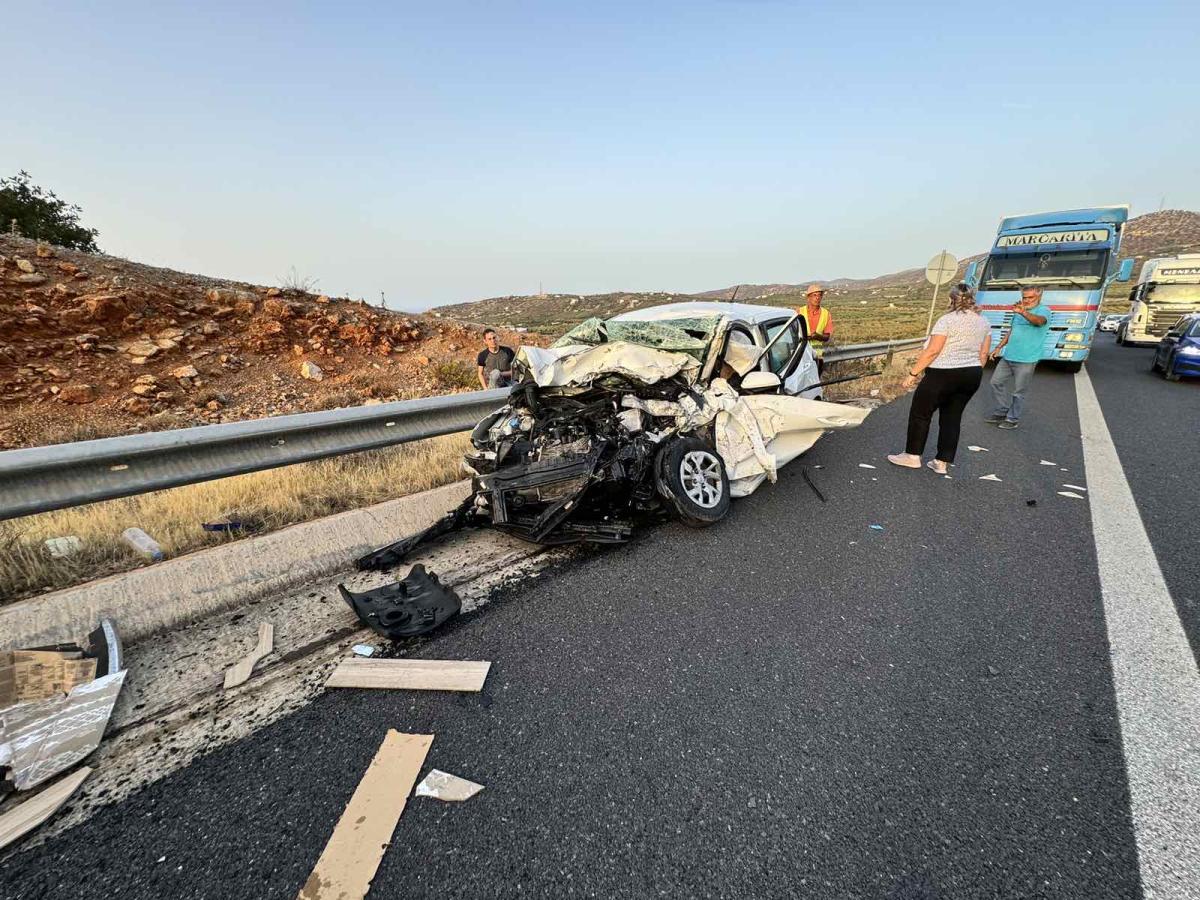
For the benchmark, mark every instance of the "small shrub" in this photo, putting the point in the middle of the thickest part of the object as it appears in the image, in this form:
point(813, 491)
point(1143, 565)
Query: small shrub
point(454, 374)
point(294, 281)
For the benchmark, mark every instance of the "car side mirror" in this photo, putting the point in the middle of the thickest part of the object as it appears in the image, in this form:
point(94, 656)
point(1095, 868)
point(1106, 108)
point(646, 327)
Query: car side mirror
point(1126, 270)
point(761, 383)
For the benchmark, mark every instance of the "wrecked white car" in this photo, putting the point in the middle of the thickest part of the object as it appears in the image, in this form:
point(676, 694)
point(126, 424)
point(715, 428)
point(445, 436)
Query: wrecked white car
point(678, 408)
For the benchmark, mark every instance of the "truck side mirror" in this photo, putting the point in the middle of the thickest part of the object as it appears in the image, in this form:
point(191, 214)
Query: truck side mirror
point(969, 278)
point(1126, 271)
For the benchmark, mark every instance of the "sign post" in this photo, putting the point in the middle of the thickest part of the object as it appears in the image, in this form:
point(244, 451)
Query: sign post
point(940, 270)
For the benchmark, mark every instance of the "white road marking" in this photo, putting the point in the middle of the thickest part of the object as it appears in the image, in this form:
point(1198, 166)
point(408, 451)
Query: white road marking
point(1155, 678)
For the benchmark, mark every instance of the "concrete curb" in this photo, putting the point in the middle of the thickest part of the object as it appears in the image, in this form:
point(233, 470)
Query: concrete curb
point(182, 590)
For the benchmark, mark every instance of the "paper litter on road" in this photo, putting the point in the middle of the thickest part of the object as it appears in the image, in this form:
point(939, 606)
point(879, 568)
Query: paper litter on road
point(363, 650)
point(444, 786)
point(865, 466)
point(992, 477)
point(975, 449)
point(350, 859)
point(1071, 494)
point(1046, 462)
point(410, 674)
point(1075, 487)
point(877, 528)
point(240, 672)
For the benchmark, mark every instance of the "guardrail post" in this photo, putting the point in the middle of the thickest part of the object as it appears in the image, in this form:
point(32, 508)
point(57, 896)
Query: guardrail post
point(887, 360)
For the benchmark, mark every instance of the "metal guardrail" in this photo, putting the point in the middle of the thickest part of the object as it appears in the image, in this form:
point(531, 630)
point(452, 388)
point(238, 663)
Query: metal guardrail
point(40, 479)
point(865, 351)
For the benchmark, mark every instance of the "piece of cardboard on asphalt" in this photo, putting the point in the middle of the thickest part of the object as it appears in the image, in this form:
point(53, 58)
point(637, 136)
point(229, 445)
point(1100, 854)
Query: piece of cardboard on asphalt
point(241, 671)
point(349, 861)
point(410, 674)
point(21, 819)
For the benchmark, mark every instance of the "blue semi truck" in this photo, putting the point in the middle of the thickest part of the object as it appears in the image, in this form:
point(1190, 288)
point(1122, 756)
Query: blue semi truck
point(1072, 256)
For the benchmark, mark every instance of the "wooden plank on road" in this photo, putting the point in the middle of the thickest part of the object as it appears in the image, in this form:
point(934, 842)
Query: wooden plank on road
point(410, 674)
point(351, 858)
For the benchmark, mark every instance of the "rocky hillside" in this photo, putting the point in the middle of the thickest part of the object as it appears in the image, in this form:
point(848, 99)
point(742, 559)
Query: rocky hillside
point(92, 346)
point(1154, 234)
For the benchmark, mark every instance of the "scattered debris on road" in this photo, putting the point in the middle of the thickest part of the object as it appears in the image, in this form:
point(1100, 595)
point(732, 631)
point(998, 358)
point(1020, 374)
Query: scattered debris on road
point(975, 449)
point(1075, 487)
point(865, 466)
point(877, 528)
point(363, 650)
point(240, 673)
point(410, 674)
point(55, 703)
point(444, 786)
point(21, 819)
point(1046, 462)
point(1071, 494)
point(351, 858)
point(992, 477)
point(808, 480)
point(415, 605)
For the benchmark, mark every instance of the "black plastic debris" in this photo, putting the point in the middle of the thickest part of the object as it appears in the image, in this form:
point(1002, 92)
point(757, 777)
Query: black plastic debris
point(416, 605)
point(464, 516)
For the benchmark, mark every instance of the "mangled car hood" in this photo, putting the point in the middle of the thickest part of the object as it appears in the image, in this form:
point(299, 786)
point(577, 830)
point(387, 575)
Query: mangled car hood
point(580, 365)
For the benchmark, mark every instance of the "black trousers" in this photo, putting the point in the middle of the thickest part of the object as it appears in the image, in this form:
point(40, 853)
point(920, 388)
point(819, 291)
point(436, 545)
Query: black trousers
point(946, 391)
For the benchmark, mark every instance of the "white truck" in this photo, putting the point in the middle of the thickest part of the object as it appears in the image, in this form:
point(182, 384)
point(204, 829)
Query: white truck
point(1169, 287)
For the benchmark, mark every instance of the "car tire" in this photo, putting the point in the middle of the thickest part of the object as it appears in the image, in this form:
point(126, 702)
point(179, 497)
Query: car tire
point(691, 477)
point(1071, 366)
point(1169, 372)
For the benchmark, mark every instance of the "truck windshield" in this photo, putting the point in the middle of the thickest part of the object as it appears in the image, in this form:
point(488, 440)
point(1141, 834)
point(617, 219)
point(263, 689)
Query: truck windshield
point(1173, 293)
point(1082, 269)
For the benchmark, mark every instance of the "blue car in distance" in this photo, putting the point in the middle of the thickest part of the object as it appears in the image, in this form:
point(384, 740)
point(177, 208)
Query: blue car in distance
point(1178, 353)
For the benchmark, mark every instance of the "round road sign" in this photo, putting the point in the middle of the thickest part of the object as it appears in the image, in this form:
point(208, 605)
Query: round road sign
point(941, 268)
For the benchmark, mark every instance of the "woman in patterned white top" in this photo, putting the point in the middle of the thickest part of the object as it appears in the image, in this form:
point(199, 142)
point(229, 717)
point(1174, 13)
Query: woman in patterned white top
point(952, 361)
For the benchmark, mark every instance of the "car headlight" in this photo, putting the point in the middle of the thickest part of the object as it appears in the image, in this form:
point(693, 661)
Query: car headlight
point(1189, 351)
point(1073, 338)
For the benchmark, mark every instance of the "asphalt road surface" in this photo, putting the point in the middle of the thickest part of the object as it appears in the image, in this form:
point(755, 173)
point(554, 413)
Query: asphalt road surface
point(791, 703)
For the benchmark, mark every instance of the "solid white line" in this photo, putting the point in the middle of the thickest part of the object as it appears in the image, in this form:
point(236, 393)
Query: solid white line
point(1155, 677)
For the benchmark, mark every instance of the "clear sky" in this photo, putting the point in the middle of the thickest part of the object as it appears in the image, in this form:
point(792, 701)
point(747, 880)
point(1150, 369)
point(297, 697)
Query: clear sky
point(449, 151)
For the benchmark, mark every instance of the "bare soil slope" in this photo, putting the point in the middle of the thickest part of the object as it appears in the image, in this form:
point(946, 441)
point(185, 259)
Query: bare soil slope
point(92, 346)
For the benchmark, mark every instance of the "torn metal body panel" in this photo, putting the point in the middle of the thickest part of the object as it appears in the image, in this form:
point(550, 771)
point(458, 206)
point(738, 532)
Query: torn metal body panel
point(629, 417)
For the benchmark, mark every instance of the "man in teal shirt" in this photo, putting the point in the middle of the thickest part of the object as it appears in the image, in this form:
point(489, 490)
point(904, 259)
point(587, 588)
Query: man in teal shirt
point(1018, 353)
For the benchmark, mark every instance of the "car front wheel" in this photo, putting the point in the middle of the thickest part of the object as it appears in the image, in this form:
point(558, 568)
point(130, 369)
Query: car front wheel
point(691, 477)
point(1169, 372)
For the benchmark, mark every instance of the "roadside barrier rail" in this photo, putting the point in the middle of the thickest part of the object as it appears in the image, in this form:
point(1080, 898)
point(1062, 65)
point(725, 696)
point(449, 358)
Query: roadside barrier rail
point(40, 479)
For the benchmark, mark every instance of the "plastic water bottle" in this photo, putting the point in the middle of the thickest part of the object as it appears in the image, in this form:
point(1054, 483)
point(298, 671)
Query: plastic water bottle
point(143, 543)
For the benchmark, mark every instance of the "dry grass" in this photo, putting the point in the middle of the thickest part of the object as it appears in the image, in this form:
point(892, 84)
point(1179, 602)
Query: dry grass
point(269, 500)
point(887, 384)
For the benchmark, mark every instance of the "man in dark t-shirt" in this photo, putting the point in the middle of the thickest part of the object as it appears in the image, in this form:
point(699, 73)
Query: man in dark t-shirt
point(494, 362)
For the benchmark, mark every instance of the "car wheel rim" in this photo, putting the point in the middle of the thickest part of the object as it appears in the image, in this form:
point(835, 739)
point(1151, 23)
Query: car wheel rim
point(700, 474)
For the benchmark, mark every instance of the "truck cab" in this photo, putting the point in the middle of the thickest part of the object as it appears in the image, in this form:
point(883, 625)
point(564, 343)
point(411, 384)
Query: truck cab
point(1167, 289)
point(1072, 256)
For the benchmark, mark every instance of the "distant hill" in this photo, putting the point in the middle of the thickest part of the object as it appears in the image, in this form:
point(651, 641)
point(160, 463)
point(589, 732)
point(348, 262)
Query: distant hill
point(856, 301)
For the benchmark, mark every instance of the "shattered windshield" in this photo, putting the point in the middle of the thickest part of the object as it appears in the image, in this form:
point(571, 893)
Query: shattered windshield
point(689, 336)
